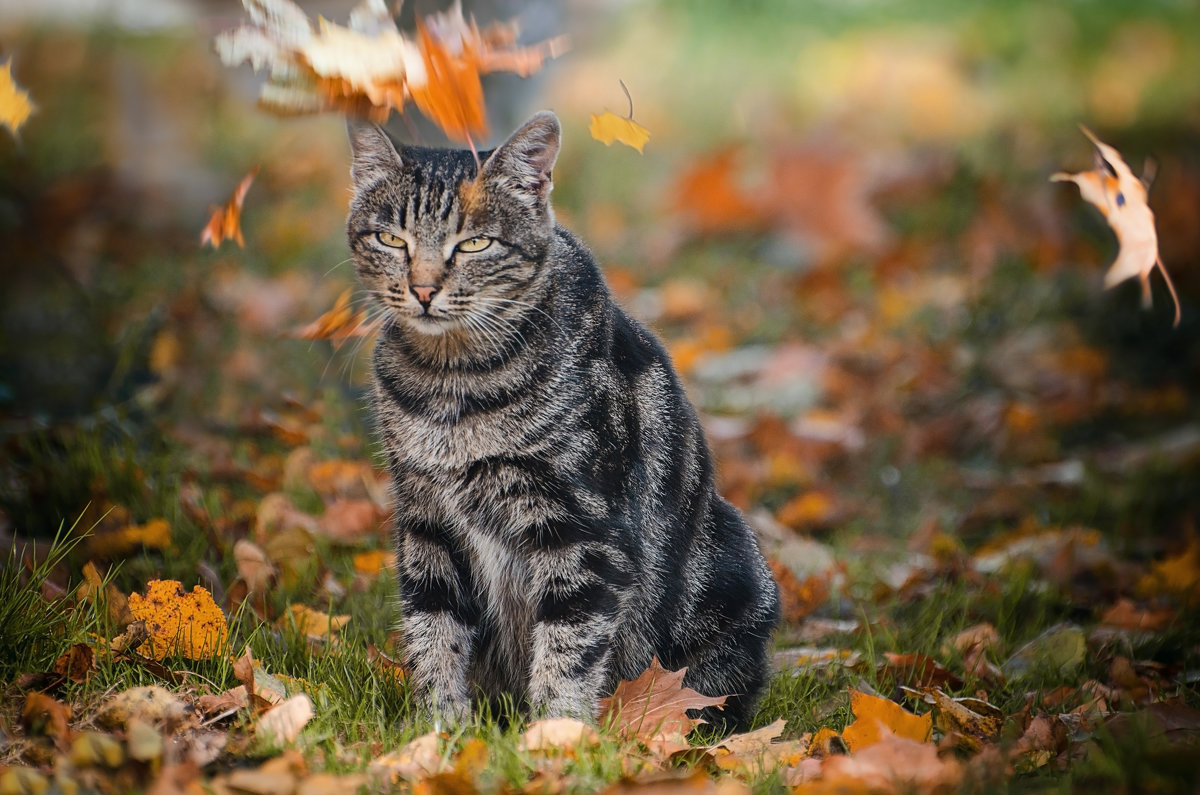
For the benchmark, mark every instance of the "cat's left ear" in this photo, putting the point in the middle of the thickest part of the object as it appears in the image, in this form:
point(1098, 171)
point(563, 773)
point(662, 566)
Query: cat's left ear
point(374, 154)
point(525, 161)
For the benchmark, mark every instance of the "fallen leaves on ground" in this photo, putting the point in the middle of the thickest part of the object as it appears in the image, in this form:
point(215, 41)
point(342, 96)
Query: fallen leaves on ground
point(187, 624)
point(878, 718)
point(654, 707)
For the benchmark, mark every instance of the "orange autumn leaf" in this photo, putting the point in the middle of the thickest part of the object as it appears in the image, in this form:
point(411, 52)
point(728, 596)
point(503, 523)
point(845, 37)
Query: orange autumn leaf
point(1178, 575)
point(15, 105)
point(371, 68)
point(609, 127)
point(226, 222)
point(187, 624)
point(339, 324)
point(877, 718)
point(1121, 197)
point(452, 94)
point(709, 195)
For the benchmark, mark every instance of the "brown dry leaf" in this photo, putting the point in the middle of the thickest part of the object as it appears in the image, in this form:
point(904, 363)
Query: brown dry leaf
point(371, 68)
point(232, 699)
point(696, 783)
point(609, 127)
point(878, 718)
point(1127, 615)
point(800, 597)
point(1121, 197)
point(461, 779)
point(283, 722)
point(311, 622)
point(225, 222)
point(893, 764)
point(920, 670)
point(1043, 740)
point(188, 624)
point(972, 721)
point(154, 534)
point(15, 105)
point(654, 705)
point(418, 759)
point(350, 521)
point(557, 734)
point(76, 664)
point(43, 716)
point(253, 566)
point(339, 324)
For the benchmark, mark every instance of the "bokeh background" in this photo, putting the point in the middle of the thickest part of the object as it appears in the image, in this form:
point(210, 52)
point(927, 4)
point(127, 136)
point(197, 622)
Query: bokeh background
point(842, 226)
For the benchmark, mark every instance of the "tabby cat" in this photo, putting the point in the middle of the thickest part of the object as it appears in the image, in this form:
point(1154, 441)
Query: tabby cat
point(555, 516)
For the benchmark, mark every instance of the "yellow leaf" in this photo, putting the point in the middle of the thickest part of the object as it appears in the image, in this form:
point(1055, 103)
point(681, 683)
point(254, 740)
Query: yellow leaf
point(877, 718)
point(312, 622)
point(339, 324)
point(155, 534)
point(189, 624)
point(1178, 575)
point(609, 127)
point(1121, 197)
point(15, 106)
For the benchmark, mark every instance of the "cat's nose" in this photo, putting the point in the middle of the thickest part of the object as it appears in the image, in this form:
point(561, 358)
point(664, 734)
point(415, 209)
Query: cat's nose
point(424, 293)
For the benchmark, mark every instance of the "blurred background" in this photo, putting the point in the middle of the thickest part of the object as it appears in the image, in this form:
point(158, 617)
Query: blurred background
point(842, 226)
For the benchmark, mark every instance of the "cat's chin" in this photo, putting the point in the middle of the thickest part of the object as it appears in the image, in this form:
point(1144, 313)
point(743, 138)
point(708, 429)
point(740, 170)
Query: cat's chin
point(430, 326)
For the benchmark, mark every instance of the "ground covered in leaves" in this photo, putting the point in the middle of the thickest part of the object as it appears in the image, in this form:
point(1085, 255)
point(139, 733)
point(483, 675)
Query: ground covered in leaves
point(974, 470)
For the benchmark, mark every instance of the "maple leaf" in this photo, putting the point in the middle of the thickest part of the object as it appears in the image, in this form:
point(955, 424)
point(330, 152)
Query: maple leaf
point(179, 622)
point(1122, 198)
point(225, 222)
point(338, 324)
point(655, 705)
point(15, 105)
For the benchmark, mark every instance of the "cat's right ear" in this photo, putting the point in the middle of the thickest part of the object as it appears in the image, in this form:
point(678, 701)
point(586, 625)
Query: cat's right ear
point(374, 153)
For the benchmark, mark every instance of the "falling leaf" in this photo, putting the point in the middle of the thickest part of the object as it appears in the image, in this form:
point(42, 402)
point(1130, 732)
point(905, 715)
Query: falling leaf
point(339, 324)
point(609, 127)
point(371, 68)
point(284, 721)
point(188, 624)
point(878, 718)
point(15, 105)
point(1122, 198)
point(226, 222)
point(655, 704)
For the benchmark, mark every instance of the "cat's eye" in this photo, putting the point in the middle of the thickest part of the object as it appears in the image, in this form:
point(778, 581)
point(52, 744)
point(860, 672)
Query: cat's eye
point(474, 244)
point(390, 240)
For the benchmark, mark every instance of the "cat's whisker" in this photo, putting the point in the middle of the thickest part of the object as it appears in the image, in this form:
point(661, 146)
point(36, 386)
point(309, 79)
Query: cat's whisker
point(336, 266)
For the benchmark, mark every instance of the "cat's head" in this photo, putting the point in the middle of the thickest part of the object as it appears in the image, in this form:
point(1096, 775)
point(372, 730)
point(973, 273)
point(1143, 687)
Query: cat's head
point(447, 244)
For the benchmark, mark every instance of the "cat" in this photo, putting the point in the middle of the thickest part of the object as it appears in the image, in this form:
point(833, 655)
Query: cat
point(556, 520)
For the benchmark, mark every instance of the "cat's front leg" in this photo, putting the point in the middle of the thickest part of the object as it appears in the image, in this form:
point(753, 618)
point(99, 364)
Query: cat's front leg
point(576, 591)
point(440, 617)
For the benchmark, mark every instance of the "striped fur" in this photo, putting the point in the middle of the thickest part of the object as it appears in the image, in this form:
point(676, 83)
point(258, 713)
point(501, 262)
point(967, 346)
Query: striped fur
point(555, 514)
